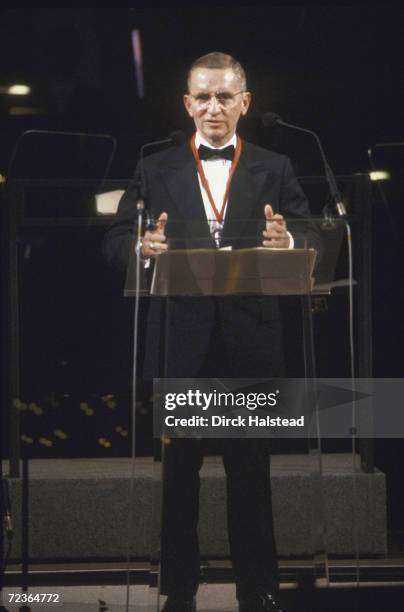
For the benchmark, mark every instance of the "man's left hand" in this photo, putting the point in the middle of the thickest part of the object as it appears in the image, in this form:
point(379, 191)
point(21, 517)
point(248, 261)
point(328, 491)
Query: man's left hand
point(275, 233)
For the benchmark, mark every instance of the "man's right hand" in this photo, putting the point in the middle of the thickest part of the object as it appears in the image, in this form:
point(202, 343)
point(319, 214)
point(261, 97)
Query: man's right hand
point(154, 242)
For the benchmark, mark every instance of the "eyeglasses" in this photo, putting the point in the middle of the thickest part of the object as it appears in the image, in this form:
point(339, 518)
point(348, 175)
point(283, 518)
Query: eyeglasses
point(224, 99)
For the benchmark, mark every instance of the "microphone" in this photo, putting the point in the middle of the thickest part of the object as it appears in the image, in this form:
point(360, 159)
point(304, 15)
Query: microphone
point(270, 119)
point(177, 137)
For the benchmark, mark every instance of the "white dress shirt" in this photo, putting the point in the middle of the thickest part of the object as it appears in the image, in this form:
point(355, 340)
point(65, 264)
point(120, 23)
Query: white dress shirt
point(217, 173)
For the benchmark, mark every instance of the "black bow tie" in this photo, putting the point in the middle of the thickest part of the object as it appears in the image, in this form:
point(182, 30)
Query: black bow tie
point(208, 152)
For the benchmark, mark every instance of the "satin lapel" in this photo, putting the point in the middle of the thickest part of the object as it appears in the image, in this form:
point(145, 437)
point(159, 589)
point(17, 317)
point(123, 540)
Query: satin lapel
point(182, 183)
point(246, 186)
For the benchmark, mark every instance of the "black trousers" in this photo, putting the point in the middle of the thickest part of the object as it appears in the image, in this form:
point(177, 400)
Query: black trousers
point(247, 466)
point(249, 515)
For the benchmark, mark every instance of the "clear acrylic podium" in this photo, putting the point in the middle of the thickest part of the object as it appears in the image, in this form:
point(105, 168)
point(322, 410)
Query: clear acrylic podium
point(194, 269)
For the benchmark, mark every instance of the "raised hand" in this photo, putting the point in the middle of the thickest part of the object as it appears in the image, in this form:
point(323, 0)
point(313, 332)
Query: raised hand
point(154, 242)
point(275, 233)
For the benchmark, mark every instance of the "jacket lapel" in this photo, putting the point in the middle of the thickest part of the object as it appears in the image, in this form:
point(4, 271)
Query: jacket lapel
point(181, 178)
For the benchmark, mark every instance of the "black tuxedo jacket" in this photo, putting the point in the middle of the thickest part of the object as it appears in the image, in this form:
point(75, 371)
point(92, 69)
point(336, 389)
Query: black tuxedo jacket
point(261, 177)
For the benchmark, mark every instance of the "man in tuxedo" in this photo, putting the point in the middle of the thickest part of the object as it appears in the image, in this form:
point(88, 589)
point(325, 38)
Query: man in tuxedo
point(237, 195)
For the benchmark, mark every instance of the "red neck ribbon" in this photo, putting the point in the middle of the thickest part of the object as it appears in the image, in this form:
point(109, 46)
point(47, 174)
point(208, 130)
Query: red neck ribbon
point(219, 214)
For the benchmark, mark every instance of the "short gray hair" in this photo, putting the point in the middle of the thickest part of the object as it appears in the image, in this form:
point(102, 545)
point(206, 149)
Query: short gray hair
point(218, 60)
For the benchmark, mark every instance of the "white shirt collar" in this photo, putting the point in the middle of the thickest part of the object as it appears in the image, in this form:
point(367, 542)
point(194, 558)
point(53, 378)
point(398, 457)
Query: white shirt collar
point(201, 140)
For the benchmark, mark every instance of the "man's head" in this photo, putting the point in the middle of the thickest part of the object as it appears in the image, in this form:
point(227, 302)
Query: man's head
point(216, 96)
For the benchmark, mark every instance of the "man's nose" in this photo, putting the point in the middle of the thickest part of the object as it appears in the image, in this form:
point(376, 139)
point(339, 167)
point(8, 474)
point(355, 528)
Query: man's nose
point(213, 106)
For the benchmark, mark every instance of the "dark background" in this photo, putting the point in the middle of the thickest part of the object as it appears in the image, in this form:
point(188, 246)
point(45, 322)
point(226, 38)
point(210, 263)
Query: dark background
point(336, 70)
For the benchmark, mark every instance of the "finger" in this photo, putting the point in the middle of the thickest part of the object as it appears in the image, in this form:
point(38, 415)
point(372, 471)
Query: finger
point(161, 222)
point(276, 220)
point(275, 230)
point(154, 236)
point(152, 248)
point(157, 247)
point(268, 211)
point(277, 244)
point(273, 239)
point(278, 225)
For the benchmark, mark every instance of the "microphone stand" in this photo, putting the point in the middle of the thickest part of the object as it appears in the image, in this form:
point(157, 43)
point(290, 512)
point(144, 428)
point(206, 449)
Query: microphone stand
point(269, 119)
point(332, 183)
point(142, 197)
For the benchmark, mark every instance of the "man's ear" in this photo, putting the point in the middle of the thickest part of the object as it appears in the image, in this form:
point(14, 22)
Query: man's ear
point(188, 104)
point(246, 102)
